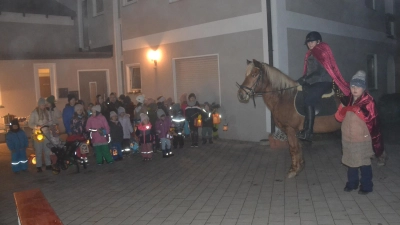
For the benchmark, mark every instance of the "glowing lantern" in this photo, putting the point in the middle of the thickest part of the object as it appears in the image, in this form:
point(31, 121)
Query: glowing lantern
point(32, 159)
point(39, 137)
point(225, 127)
point(114, 151)
point(198, 122)
point(216, 118)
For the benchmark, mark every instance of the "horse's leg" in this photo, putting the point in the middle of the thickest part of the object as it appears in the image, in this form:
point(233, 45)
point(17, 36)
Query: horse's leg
point(295, 152)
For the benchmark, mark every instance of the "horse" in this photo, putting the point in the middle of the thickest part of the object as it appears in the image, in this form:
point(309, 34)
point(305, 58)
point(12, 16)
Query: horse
point(278, 91)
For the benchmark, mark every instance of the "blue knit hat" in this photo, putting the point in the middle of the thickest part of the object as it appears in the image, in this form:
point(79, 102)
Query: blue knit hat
point(358, 80)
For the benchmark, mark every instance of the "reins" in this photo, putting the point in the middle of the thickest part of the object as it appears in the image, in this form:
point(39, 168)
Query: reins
point(250, 91)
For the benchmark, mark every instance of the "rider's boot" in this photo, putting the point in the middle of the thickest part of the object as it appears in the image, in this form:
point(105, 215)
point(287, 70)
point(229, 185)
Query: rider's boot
point(307, 132)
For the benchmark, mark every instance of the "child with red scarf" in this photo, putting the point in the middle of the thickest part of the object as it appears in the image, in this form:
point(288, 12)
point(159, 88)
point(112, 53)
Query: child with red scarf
point(144, 133)
point(320, 70)
point(361, 138)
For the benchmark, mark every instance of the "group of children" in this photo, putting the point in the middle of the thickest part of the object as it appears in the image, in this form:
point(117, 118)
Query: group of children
point(361, 138)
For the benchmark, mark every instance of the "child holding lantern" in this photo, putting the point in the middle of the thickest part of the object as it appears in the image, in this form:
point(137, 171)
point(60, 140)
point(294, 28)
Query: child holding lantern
point(144, 133)
point(191, 113)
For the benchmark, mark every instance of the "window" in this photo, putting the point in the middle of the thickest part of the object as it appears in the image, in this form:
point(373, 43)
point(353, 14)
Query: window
point(390, 26)
point(372, 71)
point(128, 2)
point(133, 78)
point(98, 7)
point(370, 4)
point(196, 74)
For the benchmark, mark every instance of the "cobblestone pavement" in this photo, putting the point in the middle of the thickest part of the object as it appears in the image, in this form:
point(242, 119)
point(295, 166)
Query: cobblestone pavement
point(228, 182)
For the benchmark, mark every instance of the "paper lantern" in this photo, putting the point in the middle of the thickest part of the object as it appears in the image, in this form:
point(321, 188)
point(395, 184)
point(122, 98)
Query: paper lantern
point(32, 159)
point(225, 127)
point(114, 151)
point(38, 136)
point(198, 122)
point(216, 118)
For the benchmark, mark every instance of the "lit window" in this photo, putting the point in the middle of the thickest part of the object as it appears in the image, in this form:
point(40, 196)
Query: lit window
point(372, 71)
point(128, 2)
point(98, 7)
point(133, 78)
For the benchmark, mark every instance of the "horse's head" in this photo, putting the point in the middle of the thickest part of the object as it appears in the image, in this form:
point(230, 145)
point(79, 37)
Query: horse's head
point(252, 82)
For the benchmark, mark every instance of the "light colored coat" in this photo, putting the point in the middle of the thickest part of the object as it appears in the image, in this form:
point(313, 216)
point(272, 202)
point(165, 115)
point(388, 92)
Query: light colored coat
point(126, 125)
point(35, 122)
point(356, 141)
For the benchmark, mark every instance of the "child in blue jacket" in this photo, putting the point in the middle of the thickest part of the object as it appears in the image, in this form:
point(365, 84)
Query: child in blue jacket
point(17, 142)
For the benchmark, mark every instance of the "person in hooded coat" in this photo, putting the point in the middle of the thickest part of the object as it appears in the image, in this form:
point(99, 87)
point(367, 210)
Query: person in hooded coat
point(17, 142)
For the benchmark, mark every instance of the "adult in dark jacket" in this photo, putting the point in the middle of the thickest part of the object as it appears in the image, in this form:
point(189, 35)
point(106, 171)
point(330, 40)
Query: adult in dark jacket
point(68, 113)
point(320, 70)
point(161, 105)
point(112, 105)
point(17, 142)
point(191, 112)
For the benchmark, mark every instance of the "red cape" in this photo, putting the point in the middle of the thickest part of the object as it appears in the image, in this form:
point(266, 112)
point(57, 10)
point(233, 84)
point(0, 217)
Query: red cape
point(367, 106)
point(323, 53)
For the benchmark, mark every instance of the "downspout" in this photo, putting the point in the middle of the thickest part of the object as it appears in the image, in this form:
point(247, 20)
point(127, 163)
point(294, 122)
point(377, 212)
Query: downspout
point(270, 49)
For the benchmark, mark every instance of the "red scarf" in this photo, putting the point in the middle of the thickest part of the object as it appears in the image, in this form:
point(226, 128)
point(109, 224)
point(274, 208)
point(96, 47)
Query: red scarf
point(366, 105)
point(323, 53)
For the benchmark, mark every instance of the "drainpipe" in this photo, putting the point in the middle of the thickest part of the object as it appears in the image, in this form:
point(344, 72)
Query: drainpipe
point(270, 49)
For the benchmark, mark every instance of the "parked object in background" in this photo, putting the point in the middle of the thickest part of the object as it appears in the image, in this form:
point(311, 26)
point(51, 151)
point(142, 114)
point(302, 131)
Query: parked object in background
point(389, 108)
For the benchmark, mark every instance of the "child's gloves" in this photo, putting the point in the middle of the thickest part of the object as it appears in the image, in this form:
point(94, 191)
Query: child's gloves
point(340, 113)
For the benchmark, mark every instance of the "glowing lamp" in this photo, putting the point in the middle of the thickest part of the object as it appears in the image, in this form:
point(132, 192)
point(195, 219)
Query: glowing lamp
point(225, 127)
point(39, 137)
point(216, 118)
point(197, 121)
point(154, 56)
point(32, 159)
point(114, 151)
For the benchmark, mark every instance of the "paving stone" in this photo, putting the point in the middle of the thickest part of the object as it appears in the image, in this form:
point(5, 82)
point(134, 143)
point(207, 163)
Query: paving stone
point(229, 182)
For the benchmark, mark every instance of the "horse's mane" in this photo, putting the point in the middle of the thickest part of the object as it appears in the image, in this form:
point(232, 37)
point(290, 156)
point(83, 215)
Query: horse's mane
point(278, 80)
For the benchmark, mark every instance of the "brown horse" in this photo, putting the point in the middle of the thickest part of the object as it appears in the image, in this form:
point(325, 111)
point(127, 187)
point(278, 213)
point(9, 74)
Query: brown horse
point(278, 92)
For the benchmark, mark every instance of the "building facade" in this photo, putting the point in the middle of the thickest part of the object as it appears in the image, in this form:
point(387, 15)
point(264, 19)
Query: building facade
point(172, 47)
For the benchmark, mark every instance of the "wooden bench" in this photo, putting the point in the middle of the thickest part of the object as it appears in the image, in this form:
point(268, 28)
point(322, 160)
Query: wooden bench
point(34, 209)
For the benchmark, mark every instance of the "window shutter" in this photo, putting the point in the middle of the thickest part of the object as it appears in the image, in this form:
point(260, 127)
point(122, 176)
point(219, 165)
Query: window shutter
point(198, 75)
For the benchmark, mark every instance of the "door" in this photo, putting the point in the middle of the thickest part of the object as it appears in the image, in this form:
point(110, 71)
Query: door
point(92, 83)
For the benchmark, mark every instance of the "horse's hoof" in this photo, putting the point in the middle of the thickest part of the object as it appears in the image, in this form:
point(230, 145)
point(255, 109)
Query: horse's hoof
point(291, 174)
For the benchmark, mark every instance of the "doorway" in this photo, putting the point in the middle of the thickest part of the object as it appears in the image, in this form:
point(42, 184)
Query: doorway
point(92, 83)
point(45, 80)
point(391, 76)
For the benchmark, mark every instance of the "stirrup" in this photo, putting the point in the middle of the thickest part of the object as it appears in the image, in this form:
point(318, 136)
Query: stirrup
point(304, 135)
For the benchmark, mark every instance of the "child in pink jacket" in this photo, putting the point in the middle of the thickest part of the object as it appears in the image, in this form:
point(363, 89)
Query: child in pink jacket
point(98, 126)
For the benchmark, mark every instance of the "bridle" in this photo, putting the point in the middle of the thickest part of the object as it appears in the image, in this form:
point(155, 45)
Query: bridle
point(250, 91)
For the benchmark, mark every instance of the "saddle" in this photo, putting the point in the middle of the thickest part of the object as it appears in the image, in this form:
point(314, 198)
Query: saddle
point(326, 106)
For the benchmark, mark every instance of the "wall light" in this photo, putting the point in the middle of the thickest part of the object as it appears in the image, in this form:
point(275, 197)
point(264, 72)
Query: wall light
point(154, 56)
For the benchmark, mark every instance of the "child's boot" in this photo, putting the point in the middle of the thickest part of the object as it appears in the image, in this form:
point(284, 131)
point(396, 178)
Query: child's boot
point(170, 153)
point(204, 141)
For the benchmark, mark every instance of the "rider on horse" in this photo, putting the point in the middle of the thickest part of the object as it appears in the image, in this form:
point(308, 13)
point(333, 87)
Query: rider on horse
point(319, 70)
